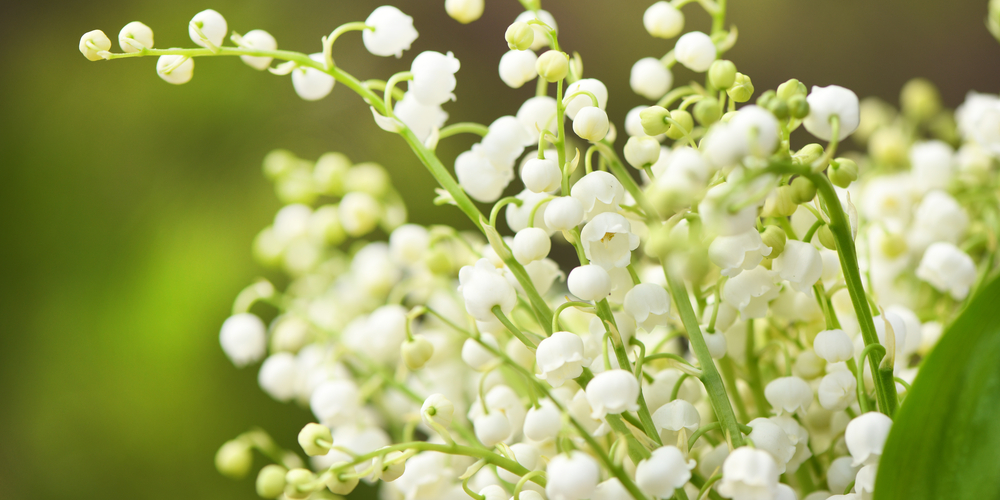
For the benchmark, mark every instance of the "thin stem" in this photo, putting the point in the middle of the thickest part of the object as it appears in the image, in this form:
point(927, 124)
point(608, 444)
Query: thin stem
point(328, 41)
point(464, 128)
point(753, 371)
point(562, 307)
point(513, 329)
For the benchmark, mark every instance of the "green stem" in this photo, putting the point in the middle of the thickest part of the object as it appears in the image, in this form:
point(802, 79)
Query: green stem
point(753, 373)
point(561, 308)
point(513, 329)
point(464, 128)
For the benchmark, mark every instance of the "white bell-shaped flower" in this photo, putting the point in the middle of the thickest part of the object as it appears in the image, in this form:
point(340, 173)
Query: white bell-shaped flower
point(541, 175)
point(483, 287)
point(800, 264)
point(243, 339)
point(749, 474)
point(532, 203)
point(438, 409)
point(717, 217)
point(575, 104)
point(524, 454)
point(841, 473)
point(633, 122)
point(541, 38)
point(865, 437)
point(833, 345)
point(750, 291)
point(837, 390)
point(359, 213)
point(785, 492)
point(560, 357)
point(932, 164)
point(493, 492)
point(409, 243)
point(650, 78)
point(788, 394)
point(135, 36)
point(517, 67)
point(392, 32)
point(505, 141)
point(663, 472)
point(757, 131)
point(93, 42)
point(564, 213)
point(590, 282)
point(938, 218)
point(543, 422)
point(212, 25)
point(608, 240)
point(260, 40)
point(598, 192)
point(770, 437)
point(641, 152)
point(476, 356)
point(531, 244)
point(175, 69)
point(663, 20)
point(537, 114)
point(948, 269)
point(464, 11)
point(335, 402)
point(799, 437)
point(492, 428)
point(591, 124)
point(384, 334)
point(738, 252)
point(612, 489)
point(434, 77)
point(648, 304)
point(419, 117)
point(612, 391)
point(832, 100)
point(864, 481)
point(912, 326)
point(695, 50)
point(670, 418)
point(312, 84)
point(479, 178)
point(279, 376)
point(571, 476)
point(543, 274)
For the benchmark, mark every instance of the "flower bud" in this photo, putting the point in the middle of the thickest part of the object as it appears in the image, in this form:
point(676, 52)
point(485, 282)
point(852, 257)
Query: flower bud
point(788, 394)
point(663, 20)
point(829, 101)
point(338, 487)
point(842, 172)
point(800, 264)
point(476, 356)
point(834, 346)
point(722, 74)
point(492, 428)
point(707, 111)
point(531, 244)
point(919, 99)
point(803, 190)
point(212, 26)
point(312, 84)
point(260, 40)
point(359, 213)
point(571, 476)
point(296, 480)
point(798, 106)
point(685, 122)
point(271, 481)
point(614, 392)
point(310, 434)
point(778, 108)
point(517, 67)
point(243, 339)
point(808, 154)
point(742, 88)
point(948, 269)
point(135, 36)
point(791, 88)
point(865, 437)
point(654, 120)
point(695, 50)
point(592, 124)
point(438, 409)
point(541, 175)
point(93, 42)
point(519, 36)
point(650, 78)
point(837, 390)
point(779, 203)
point(234, 459)
point(553, 65)
point(175, 69)
point(560, 357)
point(464, 11)
point(641, 152)
point(392, 34)
point(663, 472)
point(392, 471)
point(417, 352)
point(589, 282)
point(563, 213)
point(543, 422)
point(774, 237)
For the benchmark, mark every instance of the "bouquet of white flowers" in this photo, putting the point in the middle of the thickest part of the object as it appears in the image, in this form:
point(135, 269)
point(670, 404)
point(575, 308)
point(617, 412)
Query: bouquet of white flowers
point(745, 318)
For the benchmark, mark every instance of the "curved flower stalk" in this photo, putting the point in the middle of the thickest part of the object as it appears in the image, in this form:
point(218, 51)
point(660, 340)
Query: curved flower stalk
point(735, 276)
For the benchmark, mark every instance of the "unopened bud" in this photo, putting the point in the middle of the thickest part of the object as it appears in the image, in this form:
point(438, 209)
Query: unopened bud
point(519, 36)
point(798, 106)
point(338, 487)
point(683, 123)
point(271, 481)
point(641, 152)
point(791, 88)
point(741, 89)
point(392, 471)
point(920, 99)
point(310, 434)
point(803, 190)
point(765, 99)
point(779, 108)
point(654, 120)
point(552, 66)
point(893, 245)
point(774, 237)
point(93, 42)
point(234, 459)
point(722, 74)
point(464, 11)
point(416, 352)
point(842, 172)
point(808, 154)
point(295, 482)
point(707, 111)
point(826, 237)
point(329, 173)
point(779, 204)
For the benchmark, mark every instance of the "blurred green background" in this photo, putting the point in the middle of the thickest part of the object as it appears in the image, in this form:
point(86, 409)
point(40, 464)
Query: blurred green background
point(129, 204)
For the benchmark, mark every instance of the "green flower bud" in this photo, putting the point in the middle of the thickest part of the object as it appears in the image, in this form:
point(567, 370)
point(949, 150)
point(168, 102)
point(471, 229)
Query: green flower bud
point(438, 261)
point(295, 480)
point(707, 111)
point(659, 244)
point(798, 107)
point(803, 190)
point(779, 108)
point(943, 127)
point(416, 352)
point(889, 147)
point(310, 434)
point(271, 481)
point(234, 459)
point(519, 36)
point(791, 88)
point(779, 203)
point(741, 89)
point(893, 245)
point(683, 118)
point(654, 120)
point(329, 173)
point(774, 237)
point(842, 172)
point(766, 98)
point(920, 99)
point(279, 162)
point(368, 178)
point(722, 74)
point(808, 154)
point(826, 237)
point(391, 472)
point(339, 487)
point(552, 66)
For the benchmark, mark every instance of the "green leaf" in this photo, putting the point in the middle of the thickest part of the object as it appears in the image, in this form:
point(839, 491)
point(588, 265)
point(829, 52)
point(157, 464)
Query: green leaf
point(945, 440)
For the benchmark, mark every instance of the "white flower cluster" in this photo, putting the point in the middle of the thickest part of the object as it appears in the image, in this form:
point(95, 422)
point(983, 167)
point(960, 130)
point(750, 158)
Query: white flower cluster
point(738, 322)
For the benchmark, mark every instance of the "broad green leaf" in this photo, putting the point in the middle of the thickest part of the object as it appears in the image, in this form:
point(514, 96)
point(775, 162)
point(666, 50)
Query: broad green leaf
point(945, 441)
